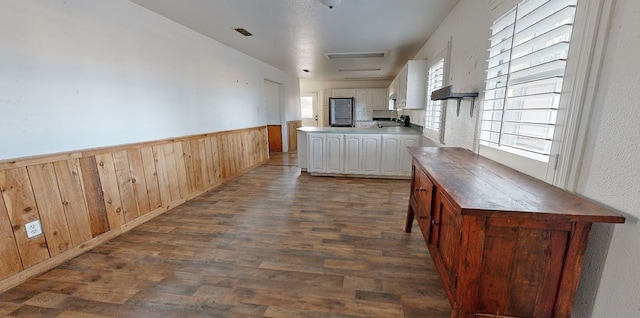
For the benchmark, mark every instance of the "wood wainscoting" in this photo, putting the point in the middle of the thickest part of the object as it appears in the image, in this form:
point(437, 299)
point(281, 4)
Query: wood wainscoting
point(84, 198)
point(292, 134)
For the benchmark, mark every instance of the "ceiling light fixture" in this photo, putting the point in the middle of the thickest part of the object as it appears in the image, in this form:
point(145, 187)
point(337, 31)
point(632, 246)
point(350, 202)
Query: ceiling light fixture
point(354, 55)
point(331, 3)
point(358, 69)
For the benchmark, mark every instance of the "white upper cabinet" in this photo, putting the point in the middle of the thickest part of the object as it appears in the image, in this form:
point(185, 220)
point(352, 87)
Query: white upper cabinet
point(410, 85)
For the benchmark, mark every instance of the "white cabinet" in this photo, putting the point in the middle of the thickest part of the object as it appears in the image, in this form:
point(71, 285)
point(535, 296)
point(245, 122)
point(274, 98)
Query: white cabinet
point(390, 155)
point(379, 99)
point(333, 153)
point(396, 161)
point(410, 85)
point(343, 92)
point(405, 157)
point(371, 152)
point(352, 154)
point(316, 143)
point(360, 154)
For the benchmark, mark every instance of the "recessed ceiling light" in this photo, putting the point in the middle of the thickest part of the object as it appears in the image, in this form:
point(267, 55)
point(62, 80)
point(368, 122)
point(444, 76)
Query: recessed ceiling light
point(355, 55)
point(243, 31)
point(358, 69)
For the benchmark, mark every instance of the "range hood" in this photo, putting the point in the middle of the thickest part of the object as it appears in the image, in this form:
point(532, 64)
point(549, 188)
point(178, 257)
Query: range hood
point(447, 93)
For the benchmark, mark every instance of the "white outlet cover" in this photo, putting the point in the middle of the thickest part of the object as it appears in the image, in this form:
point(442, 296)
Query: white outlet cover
point(33, 228)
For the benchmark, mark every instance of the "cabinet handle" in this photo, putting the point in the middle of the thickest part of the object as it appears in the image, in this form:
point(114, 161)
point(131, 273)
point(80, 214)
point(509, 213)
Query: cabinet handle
point(434, 222)
point(420, 189)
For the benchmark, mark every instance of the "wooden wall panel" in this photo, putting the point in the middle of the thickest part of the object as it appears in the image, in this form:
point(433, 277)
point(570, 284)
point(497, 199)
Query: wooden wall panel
point(172, 171)
point(215, 171)
point(84, 198)
point(189, 167)
point(69, 177)
point(292, 134)
point(151, 177)
point(110, 190)
point(204, 149)
point(125, 186)
point(21, 209)
point(94, 196)
point(138, 181)
point(10, 262)
point(163, 175)
point(183, 183)
point(52, 216)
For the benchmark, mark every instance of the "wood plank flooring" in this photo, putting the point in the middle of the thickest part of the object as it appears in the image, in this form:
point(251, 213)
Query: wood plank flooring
point(272, 243)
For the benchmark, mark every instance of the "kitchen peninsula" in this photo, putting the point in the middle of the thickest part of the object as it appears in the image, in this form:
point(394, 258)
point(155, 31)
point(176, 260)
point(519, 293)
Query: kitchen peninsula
point(361, 152)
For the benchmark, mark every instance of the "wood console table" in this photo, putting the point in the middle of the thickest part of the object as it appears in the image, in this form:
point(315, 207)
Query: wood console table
point(504, 244)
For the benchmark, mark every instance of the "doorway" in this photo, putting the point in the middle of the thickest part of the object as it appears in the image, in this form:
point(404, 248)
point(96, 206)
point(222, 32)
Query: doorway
point(273, 112)
point(309, 109)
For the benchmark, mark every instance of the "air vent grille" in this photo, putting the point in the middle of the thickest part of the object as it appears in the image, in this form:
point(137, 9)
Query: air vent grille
point(243, 31)
point(333, 56)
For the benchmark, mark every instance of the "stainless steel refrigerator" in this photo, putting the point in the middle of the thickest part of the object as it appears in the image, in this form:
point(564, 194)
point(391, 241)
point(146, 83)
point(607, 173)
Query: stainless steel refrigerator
point(341, 112)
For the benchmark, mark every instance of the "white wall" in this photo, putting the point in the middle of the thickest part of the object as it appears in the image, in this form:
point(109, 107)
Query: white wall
point(467, 26)
point(610, 170)
point(79, 74)
point(272, 102)
point(610, 173)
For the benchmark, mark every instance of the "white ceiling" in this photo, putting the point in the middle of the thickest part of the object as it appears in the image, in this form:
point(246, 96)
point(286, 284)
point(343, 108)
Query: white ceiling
point(293, 35)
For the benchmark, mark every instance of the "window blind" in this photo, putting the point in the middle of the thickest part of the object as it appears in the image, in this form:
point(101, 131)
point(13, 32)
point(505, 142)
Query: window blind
point(527, 58)
point(433, 111)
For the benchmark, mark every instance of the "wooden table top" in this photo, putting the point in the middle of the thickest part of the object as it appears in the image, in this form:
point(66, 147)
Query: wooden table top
point(480, 186)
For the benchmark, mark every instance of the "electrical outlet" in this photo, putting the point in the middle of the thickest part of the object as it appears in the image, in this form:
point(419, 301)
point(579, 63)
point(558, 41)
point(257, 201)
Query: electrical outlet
point(33, 228)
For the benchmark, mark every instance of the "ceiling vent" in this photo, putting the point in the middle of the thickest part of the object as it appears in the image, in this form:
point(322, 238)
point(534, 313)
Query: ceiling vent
point(243, 31)
point(333, 56)
point(359, 69)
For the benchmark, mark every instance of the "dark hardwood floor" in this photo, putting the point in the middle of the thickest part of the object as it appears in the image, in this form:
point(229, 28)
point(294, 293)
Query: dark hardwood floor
point(272, 243)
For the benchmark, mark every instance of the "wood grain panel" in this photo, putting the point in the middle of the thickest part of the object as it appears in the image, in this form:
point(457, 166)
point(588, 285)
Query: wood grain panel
point(69, 178)
point(275, 138)
point(125, 186)
point(111, 191)
point(21, 209)
point(52, 215)
point(151, 177)
point(190, 170)
point(215, 172)
point(183, 183)
point(204, 148)
point(138, 181)
point(172, 171)
point(163, 175)
point(9, 253)
point(94, 195)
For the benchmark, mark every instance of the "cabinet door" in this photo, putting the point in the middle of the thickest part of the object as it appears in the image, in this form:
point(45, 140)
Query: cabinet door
point(343, 92)
point(353, 154)
point(371, 146)
point(404, 156)
point(422, 195)
point(445, 238)
point(333, 153)
point(379, 99)
point(389, 162)
point(315, 154)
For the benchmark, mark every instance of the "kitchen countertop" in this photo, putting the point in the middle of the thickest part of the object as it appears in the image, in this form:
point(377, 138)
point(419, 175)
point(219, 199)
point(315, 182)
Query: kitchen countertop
point(350, 130)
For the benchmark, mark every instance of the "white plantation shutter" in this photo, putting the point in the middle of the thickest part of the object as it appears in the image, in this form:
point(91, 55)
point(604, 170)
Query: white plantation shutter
point(527, 60)
point(433, 119)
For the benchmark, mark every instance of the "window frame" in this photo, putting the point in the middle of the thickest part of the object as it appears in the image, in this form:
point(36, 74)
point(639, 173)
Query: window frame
point(442, 54)
point(577, 97)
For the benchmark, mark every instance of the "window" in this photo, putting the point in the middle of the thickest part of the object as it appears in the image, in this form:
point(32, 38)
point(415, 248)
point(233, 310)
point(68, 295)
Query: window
point(435, 110)
point(435, 80)
point(527, 60)
point(306, 105)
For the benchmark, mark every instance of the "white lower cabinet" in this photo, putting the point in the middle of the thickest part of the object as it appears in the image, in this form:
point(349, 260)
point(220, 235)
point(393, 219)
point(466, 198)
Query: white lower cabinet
point(366, 154)
point(371, 147)
point(315, 143)
point(390, 155)
point(333, 153)
point(352, 153)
